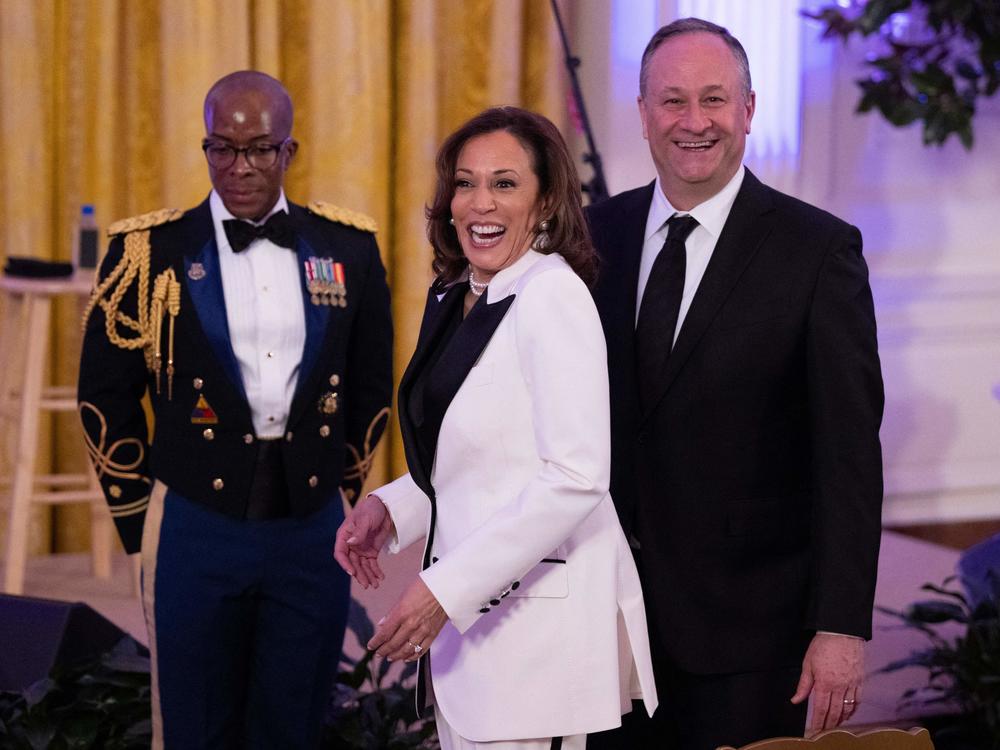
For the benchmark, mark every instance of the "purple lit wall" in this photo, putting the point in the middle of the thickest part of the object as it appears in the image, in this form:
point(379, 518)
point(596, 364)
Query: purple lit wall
point(930, 219)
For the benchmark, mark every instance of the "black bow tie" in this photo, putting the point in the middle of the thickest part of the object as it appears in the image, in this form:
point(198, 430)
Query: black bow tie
point(278, 229)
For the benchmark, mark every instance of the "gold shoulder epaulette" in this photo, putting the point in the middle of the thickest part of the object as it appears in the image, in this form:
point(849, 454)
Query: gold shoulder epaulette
point(144, 221)
point(346, 216)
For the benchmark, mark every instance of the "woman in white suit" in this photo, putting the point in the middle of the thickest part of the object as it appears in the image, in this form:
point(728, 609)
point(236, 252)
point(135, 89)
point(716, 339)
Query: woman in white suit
point(528, 608)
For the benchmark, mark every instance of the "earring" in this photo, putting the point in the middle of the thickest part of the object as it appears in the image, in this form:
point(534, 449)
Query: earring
point(452, 221)
point(542, 238)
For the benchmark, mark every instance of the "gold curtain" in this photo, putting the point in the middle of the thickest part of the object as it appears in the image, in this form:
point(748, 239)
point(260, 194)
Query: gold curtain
point(101, 103)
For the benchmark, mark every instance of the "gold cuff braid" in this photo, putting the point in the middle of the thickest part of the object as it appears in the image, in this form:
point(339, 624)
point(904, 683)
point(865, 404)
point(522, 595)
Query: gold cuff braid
point(102, 457)
point(130, 509)
point(146, 331)
point(363, 461)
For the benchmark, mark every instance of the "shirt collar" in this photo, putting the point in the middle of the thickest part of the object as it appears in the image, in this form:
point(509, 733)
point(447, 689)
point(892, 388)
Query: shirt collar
point(220, 213)
point(710, 214)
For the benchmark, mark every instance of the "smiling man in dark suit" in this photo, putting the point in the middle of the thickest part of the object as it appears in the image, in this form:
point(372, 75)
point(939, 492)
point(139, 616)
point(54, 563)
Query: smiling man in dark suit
point(746, 402)
point(260, 331)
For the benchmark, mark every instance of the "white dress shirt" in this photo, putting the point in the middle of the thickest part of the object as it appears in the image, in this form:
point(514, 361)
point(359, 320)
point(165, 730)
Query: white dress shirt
point(711, 217)
point(267, 325)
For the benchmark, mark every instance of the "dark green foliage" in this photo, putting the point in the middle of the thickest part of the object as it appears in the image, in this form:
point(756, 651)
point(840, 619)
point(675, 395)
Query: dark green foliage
point(101, 703)
point(936, 78)
point(368, 713)
point(963, 671)
point(104, 704)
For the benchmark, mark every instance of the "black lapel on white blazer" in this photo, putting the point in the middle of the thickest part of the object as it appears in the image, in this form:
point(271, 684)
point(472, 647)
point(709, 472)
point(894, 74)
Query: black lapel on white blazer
point(436, 313)
point(468, 343)
point(750, 222)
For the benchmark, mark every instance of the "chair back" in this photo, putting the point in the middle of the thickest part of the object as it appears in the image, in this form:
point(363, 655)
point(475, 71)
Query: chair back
point(839, 739)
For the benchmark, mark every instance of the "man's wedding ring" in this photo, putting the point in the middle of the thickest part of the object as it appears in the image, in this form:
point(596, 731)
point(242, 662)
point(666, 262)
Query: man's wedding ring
point(849, 701)
point(417, 648)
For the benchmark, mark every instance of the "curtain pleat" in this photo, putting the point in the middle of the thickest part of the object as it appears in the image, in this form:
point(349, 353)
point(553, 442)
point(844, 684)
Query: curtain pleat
point(102, 103)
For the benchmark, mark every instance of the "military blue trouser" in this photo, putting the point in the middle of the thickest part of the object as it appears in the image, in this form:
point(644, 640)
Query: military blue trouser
point(246, 621)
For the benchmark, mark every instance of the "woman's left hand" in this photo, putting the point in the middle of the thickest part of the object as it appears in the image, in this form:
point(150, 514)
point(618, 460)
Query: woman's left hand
point(411, 626)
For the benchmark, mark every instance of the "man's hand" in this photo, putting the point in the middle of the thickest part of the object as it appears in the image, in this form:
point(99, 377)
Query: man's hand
point(832, 670)
point(360, 538)
point(410, 627)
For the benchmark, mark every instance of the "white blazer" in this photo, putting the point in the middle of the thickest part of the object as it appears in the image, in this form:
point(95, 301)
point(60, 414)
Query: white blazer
point(547, 629)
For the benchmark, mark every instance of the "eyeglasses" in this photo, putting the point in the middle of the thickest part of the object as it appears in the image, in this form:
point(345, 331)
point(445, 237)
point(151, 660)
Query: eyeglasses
point(258, 155)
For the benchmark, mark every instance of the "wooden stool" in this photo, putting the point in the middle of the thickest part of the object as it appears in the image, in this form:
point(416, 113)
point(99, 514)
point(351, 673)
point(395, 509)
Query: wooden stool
point(24, 343)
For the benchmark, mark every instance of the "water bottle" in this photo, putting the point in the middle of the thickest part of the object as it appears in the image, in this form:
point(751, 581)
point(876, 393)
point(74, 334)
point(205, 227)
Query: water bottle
point(85, 241)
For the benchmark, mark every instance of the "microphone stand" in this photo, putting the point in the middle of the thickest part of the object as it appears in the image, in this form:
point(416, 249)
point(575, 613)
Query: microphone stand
point(596, 188)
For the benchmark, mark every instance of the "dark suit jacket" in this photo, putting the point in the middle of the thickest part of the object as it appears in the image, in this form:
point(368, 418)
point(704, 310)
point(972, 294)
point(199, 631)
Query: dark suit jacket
point(338, 412)
point(754, 484)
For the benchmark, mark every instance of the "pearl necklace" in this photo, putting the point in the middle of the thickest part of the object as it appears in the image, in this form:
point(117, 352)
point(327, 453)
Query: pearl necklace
point(476, 287)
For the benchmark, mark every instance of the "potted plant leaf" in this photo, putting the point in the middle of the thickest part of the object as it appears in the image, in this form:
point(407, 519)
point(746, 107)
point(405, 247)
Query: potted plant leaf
point(104, 704)
point(373, 707)
point(963, 670)
point(96, 703)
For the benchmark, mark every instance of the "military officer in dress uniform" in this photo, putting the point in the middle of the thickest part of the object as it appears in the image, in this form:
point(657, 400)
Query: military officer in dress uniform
point(260, 331)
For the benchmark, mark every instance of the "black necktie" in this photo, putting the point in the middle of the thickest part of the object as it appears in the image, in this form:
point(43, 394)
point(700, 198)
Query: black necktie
point(661, 303)
point(277, 229)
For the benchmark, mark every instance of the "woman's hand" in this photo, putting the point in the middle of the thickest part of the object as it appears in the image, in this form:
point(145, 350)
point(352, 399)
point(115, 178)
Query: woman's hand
point(360, 538)
point(411, 626)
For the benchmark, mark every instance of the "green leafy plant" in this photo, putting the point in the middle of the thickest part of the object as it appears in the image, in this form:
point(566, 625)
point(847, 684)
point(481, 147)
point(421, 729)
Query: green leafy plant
point(938, 57)
point(367, 710)
point(104, 704)
point(963, 671)
point(97, 703)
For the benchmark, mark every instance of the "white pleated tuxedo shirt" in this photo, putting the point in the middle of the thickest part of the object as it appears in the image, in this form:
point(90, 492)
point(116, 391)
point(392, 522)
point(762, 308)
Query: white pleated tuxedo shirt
point(267, 325)
point(711, 217)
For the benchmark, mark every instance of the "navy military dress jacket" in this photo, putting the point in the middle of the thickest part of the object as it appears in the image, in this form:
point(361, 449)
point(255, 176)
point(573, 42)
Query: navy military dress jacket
point(157, 326)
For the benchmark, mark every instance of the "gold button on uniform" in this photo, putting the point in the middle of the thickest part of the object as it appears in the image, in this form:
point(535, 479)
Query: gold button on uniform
point(313, 480)
point(198, 383)
point(248, 438)
point(208, 434)
point(324, 431)
point(335, 380)
point(217, 484)
point(115, 491)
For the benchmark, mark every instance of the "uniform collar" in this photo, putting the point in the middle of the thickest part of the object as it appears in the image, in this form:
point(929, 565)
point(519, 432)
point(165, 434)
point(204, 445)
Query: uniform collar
point(220, 214)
